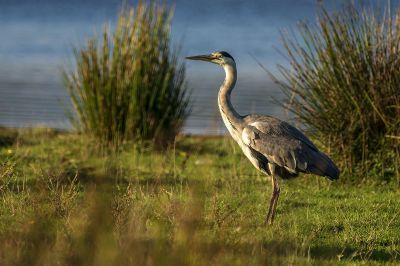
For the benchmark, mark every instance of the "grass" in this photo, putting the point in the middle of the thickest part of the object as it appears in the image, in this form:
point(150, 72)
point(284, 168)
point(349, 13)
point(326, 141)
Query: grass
point(199, 203)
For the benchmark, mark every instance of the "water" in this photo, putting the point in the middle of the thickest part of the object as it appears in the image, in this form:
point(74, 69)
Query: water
point(37, 36)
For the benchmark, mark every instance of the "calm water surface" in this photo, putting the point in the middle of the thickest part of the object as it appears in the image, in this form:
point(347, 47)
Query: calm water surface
point(37, 36)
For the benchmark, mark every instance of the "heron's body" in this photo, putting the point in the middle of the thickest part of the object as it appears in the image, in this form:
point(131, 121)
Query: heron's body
point(273, 146)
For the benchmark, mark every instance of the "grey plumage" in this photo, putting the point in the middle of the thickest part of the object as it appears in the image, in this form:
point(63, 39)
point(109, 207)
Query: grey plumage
point(272, 146)
point(285, 146)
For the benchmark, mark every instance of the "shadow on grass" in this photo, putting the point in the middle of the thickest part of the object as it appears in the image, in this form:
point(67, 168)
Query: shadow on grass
point(287, 248)
point(273, 251)
point(7, 137)
point(348, 252)
point(205, 148)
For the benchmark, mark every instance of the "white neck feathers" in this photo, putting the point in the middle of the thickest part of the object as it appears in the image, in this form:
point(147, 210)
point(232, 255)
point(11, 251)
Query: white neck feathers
point(232, 119)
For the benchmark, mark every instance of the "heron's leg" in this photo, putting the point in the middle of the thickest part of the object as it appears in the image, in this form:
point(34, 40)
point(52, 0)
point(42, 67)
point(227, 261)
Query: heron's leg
point(274, 197)
point(276, 191)
point(271, 204)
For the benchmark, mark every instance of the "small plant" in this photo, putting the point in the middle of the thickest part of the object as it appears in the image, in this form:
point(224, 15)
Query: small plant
point(7, 174)
point(343, 84)
point(130, 85)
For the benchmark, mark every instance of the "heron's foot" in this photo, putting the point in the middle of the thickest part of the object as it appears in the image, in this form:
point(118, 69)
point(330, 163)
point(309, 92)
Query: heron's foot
point(272, 207)
point(270, 217)
point(268, 222)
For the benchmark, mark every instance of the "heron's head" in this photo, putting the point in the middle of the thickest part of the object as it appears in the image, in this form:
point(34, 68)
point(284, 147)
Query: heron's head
point(220, 58)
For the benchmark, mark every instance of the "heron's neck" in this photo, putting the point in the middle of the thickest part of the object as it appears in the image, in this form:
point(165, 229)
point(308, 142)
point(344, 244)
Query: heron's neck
point(228, 113)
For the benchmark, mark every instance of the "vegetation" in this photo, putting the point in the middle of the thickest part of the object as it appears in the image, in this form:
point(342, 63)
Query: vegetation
point(130, 85)
point(200, 203)
point(343, 84)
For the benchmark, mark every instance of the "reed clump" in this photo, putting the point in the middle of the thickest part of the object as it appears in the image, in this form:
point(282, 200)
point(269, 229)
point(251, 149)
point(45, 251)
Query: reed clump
point(343, 83)
point(129, 84)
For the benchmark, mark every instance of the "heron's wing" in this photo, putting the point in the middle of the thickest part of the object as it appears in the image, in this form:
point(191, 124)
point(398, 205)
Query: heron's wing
point(275, 127)
point(289, 152)
point(283, 151)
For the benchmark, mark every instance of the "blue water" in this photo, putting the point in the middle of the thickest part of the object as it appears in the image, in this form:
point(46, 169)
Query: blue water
point(37, 37)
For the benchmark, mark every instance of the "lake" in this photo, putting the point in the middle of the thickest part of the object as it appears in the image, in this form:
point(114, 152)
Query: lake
point(38, 36)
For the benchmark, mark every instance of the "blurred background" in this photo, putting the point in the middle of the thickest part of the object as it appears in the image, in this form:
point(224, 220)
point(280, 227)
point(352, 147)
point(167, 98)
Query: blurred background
point(38, 36)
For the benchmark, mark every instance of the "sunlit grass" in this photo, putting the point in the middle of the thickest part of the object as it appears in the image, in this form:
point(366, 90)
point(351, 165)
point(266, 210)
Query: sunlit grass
point(200, 202)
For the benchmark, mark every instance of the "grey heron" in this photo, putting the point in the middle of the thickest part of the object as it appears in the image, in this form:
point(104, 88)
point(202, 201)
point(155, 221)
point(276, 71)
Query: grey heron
point(273, 146)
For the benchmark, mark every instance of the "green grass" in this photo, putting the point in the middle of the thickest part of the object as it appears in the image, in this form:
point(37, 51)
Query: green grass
point(198, 203)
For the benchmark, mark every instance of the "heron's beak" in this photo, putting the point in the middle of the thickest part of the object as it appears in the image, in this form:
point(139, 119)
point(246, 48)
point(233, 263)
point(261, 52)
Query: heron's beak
point(207, 57)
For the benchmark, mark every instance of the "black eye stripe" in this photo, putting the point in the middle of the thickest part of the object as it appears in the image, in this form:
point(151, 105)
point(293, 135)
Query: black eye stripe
point(225, 54)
